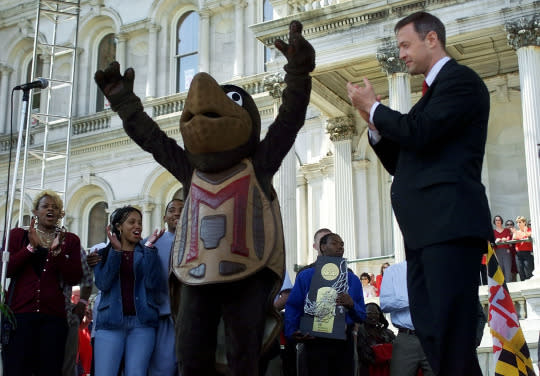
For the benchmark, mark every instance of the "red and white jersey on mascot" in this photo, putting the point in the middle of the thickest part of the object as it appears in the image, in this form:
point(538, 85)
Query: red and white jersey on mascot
point(228, 229)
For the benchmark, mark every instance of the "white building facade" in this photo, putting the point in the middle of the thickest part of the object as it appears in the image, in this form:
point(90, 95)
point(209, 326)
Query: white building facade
point(331, 178)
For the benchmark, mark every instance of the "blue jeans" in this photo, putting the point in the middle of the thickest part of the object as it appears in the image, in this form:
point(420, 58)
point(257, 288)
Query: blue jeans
point(163, 361)
point(133, 341)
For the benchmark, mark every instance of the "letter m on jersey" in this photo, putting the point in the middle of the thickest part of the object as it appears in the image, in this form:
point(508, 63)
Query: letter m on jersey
point(238, 191)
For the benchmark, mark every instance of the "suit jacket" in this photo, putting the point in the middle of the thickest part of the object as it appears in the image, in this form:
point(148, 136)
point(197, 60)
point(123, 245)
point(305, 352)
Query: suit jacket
point(435, 154)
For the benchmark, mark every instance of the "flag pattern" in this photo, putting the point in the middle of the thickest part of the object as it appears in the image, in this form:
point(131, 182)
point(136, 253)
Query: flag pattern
point(510, 351)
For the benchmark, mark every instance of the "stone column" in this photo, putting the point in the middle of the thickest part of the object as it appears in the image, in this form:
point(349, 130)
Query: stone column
point(239, 39)
point(524, 37)
point(151, 78)
point(286, 180)
point(399, 87)
point(147, 209)
point(121, 39)
point(204, 41)
point(341, 131)
point(5, 72)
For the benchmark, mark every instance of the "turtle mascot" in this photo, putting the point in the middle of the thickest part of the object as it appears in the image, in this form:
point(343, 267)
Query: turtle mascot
point(227, 262)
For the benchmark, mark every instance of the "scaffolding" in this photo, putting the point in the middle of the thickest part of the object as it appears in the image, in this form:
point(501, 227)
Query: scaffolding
point(54, 21)
point(55, 48)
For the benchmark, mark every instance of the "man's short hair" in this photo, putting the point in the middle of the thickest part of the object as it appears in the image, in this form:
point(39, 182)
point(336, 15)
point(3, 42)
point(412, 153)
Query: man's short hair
point(173, 200)
point(423, 23)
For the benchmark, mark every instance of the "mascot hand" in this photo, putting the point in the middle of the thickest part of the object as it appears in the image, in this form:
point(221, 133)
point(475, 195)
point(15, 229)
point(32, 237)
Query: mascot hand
point(118, 89)
point(299, 52)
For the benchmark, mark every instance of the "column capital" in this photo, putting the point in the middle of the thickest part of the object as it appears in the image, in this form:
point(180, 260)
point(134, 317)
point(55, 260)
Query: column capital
point(240, 4)
point(5, 69)
point(148, 206)
point(121, 37)
point(523, 32)
point(205, 13)
point(388, 57)
point(341, 128)
point(154, 28)
point(274, 83)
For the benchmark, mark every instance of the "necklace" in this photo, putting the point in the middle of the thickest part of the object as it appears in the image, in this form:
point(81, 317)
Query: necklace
point(46, 238)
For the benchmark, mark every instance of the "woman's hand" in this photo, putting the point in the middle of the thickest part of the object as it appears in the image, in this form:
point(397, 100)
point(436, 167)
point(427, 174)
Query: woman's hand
point(155, 236)
point(93, 258)
point(115, 242)
point(33, 237)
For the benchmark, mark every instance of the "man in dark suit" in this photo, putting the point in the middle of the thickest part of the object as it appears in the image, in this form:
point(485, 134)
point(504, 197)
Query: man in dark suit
point(435, 154)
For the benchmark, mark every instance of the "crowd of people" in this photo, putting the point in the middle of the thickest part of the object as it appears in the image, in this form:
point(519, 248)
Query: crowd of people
point(54, 329)
point(132, 329)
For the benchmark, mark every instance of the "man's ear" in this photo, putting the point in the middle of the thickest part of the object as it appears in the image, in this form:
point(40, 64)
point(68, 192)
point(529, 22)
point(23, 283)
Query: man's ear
point(432, 38)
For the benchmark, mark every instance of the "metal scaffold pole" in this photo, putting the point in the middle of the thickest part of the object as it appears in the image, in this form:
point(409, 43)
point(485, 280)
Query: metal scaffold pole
point(45, 110)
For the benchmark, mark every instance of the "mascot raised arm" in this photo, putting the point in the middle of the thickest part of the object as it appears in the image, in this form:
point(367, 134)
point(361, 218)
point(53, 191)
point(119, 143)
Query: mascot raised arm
point(227, 263)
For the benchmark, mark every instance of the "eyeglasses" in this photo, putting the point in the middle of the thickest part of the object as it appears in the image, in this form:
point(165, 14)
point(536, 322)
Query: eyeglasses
point(509, 224)
point(363, 278)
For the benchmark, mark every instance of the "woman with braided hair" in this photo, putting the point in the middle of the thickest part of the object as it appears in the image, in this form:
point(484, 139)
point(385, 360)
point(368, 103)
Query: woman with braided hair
point(128, 277)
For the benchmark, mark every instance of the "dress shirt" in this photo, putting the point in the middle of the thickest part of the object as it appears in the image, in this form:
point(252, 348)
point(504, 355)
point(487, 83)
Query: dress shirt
point(394, 297)
point(163, 245)
point(374, 135)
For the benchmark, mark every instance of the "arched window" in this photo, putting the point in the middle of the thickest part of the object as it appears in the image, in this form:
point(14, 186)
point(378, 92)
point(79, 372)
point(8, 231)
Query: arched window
point(97, 223)
point(187, 50)
point(106, 55)
point(268, 15)
point(36, 93)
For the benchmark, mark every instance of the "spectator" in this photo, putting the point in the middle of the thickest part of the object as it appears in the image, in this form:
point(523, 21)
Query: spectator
point(367, 288)
point(42, 258)
point(379, 278)
point(502, 251)
point(407, 353)
point(128, 278)
point(317, 239)
point(301, 365)
point(84, 346)
point(326, 356)
point(525, 260)
point(163, 361)
point(510, 226)
point(374, 343)
point(95, 256)
point(76, 300)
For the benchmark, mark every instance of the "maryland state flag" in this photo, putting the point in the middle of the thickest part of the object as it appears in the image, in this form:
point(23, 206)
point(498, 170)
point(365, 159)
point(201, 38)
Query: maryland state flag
point(510, 352)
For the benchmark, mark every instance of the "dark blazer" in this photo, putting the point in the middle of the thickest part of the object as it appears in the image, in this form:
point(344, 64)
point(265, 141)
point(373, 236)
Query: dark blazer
point(435, 154)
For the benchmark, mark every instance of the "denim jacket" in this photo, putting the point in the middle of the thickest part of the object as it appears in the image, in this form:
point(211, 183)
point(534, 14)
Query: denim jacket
point(107, 275)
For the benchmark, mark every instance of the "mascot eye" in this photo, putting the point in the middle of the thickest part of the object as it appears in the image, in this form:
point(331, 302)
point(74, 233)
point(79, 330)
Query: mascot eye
point(236, 97)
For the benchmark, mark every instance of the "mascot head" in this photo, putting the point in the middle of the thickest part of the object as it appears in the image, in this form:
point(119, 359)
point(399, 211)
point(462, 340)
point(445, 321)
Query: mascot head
point(220, 125)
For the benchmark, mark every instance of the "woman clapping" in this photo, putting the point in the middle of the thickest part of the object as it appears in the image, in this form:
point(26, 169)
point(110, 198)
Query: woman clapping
point(42, 259)
point(128, 277)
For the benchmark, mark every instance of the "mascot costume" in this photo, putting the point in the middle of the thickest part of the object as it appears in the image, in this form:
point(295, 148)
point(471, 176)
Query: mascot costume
point(227, 262)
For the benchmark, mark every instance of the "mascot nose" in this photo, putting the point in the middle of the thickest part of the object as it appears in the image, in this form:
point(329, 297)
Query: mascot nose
point(205, 92)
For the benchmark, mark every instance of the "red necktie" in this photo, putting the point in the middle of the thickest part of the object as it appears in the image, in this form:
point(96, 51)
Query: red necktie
point(424, 87)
